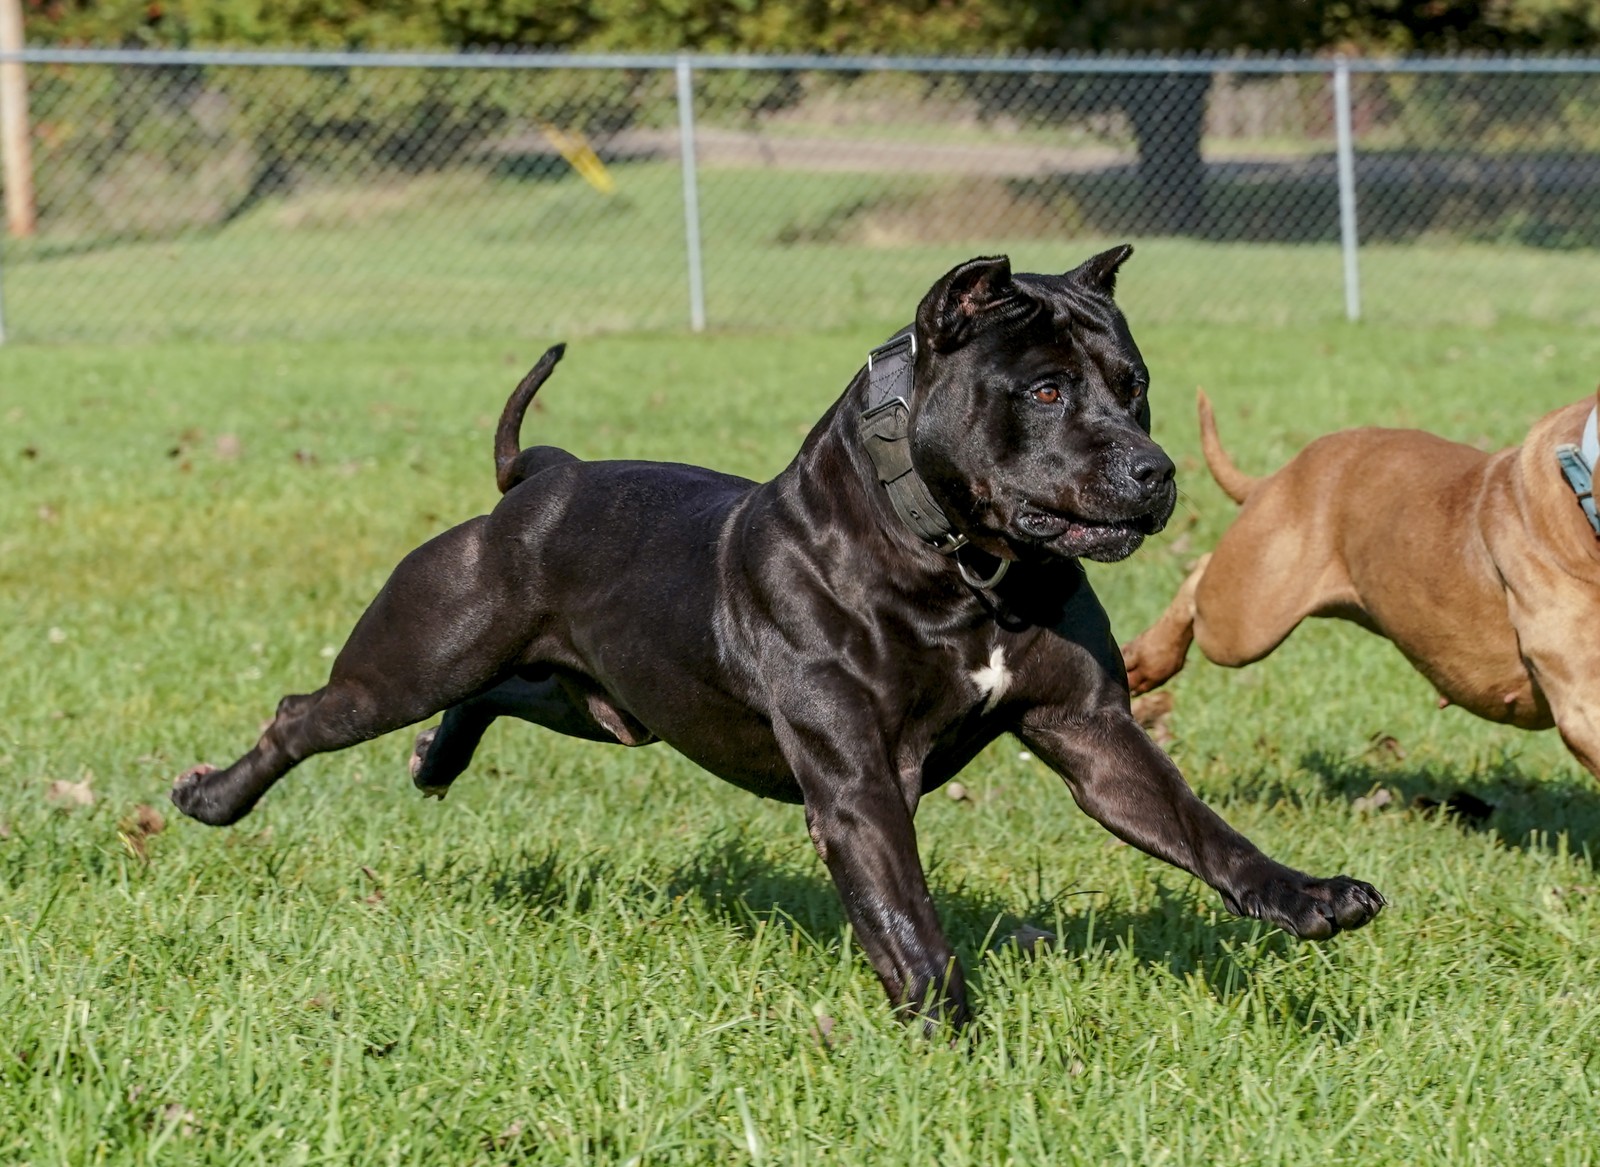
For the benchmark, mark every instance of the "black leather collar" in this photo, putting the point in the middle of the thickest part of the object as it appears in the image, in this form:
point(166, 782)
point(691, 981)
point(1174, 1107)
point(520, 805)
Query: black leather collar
point(885, 432)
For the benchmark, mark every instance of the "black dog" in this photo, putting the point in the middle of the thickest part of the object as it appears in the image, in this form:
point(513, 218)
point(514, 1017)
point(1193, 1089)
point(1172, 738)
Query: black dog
point(847, 636)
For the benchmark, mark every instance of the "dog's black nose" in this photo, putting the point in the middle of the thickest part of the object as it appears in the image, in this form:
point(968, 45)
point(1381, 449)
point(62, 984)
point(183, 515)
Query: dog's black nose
point(1151, 469)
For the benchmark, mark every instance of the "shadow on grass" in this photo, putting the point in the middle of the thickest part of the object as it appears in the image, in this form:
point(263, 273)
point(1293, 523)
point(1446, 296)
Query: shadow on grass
point(1524, 811)
point(745, 888)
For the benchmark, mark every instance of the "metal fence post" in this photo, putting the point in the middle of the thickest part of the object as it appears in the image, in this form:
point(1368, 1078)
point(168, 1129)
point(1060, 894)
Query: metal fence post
point(691, 195)
point(1348, 241)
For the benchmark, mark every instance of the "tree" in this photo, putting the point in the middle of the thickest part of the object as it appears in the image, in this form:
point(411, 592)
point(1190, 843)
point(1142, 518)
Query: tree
point(1166, 109)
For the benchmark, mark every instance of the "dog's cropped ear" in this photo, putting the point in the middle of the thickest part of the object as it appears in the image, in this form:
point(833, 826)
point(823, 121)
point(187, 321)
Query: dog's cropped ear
point(1100, 273)
point(953, 305)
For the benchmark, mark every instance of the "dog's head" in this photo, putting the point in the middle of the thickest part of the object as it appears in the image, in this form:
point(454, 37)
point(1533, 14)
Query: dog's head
point(1030, 421)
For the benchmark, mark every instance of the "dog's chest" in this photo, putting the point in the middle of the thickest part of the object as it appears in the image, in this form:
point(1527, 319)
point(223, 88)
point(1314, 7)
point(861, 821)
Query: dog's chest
point(992, 678)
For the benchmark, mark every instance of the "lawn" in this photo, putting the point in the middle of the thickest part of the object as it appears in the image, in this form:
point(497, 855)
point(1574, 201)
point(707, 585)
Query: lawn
point(484, 256)
point(595, 955)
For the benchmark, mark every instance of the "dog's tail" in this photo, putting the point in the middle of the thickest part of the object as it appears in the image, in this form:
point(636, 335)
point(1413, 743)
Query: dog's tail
point(1235, 483)
point(508, 435)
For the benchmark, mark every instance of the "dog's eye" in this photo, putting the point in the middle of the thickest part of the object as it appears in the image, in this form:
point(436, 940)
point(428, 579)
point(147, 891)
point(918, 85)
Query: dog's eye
point(1047, 394)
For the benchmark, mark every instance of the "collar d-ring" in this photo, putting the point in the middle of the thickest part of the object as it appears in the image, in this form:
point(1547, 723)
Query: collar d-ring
point(977, 582)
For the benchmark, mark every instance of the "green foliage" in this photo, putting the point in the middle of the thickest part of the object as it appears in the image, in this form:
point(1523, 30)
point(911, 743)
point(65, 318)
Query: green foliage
point(840, 26)
point(655, 25)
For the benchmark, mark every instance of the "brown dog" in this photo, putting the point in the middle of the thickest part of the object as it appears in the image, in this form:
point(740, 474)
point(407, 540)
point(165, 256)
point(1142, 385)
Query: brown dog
point(1483, 569)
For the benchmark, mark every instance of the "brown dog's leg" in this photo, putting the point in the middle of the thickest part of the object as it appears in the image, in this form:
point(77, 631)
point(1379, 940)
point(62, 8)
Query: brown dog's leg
point(1157, 654)
point(1564, 666)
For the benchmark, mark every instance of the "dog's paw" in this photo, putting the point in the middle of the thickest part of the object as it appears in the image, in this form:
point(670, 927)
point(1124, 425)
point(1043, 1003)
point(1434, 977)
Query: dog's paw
point(1312, 909)
point(419, 759)
point(188, 790)
point(1147, 666)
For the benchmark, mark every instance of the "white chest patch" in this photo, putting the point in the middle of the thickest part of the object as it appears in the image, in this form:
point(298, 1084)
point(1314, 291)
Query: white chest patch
point(992, 679)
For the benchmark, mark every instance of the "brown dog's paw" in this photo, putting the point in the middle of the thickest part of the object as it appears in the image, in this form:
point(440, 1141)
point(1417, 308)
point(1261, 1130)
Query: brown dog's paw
point(1147, 666)
point(1312, 909)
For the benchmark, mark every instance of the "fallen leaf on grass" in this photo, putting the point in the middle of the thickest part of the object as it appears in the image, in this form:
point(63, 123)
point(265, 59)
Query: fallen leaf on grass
point(67, 795)
point(138, 826)
point(185, 1120)
point(228, 447)
point(506, 1139)
point(376, 897)
point(1577, 890)
point(1377, 800)
point(5, 830)
point(822, 1032)
point(1386, 743)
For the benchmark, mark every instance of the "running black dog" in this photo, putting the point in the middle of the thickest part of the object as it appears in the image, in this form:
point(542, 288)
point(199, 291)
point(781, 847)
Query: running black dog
point(847, 636)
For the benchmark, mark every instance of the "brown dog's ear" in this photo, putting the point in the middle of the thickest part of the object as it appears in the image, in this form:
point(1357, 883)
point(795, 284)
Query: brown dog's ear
point(1100, 272)
point(946, 314)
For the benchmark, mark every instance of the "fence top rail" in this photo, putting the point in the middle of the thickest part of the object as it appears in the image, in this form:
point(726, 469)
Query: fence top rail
point(319, 59)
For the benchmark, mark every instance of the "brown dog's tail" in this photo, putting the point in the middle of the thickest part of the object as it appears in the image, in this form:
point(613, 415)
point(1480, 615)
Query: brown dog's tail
point(1235, 483)
point(508, 435)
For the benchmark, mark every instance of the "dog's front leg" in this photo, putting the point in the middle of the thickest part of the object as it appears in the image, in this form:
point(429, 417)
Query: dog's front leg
point(1123, 781)
point(860, 823)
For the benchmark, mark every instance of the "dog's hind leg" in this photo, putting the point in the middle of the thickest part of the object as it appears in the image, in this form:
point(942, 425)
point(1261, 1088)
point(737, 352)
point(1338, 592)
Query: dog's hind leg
point(444, 627)
point(1276, 565)
point(442, 753)
point(1157, 654)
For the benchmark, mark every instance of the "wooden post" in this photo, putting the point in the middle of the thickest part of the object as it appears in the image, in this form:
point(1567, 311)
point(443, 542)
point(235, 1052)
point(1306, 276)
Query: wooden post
point(16, 155)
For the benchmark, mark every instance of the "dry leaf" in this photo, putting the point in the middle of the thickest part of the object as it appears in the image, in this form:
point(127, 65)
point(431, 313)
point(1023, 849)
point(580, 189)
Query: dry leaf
point(822, 1032)
point(138, 826)
point(70, 794)
point(180, 1116)
point(1377, 800)
point(1386, 743)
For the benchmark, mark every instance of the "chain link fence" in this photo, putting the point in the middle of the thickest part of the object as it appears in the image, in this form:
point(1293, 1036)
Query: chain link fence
point(233, 195)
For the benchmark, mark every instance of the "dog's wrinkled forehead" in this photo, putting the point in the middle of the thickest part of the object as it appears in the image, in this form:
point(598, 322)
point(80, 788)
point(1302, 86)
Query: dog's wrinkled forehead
point(1072, 314)
point(983, 305)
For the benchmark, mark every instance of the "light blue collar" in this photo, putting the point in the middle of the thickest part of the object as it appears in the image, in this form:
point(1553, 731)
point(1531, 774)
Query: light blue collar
point(1578, 463)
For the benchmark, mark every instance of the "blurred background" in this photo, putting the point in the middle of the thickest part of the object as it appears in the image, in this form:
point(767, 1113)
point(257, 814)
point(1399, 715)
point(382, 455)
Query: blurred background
point(515, 167)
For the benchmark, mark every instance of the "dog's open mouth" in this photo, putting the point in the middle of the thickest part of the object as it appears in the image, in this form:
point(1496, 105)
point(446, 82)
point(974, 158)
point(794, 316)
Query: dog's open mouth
point(1102, 539)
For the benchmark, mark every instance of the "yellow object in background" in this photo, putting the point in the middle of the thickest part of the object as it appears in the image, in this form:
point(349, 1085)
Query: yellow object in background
point(575, 148)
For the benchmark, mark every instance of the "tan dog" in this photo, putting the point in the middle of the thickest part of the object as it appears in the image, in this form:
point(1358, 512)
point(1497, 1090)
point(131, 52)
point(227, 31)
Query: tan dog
point(1483, 569)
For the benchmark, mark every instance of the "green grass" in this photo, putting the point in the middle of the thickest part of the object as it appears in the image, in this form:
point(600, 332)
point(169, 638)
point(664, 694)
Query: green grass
point(467, 255)
point(597, 955)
